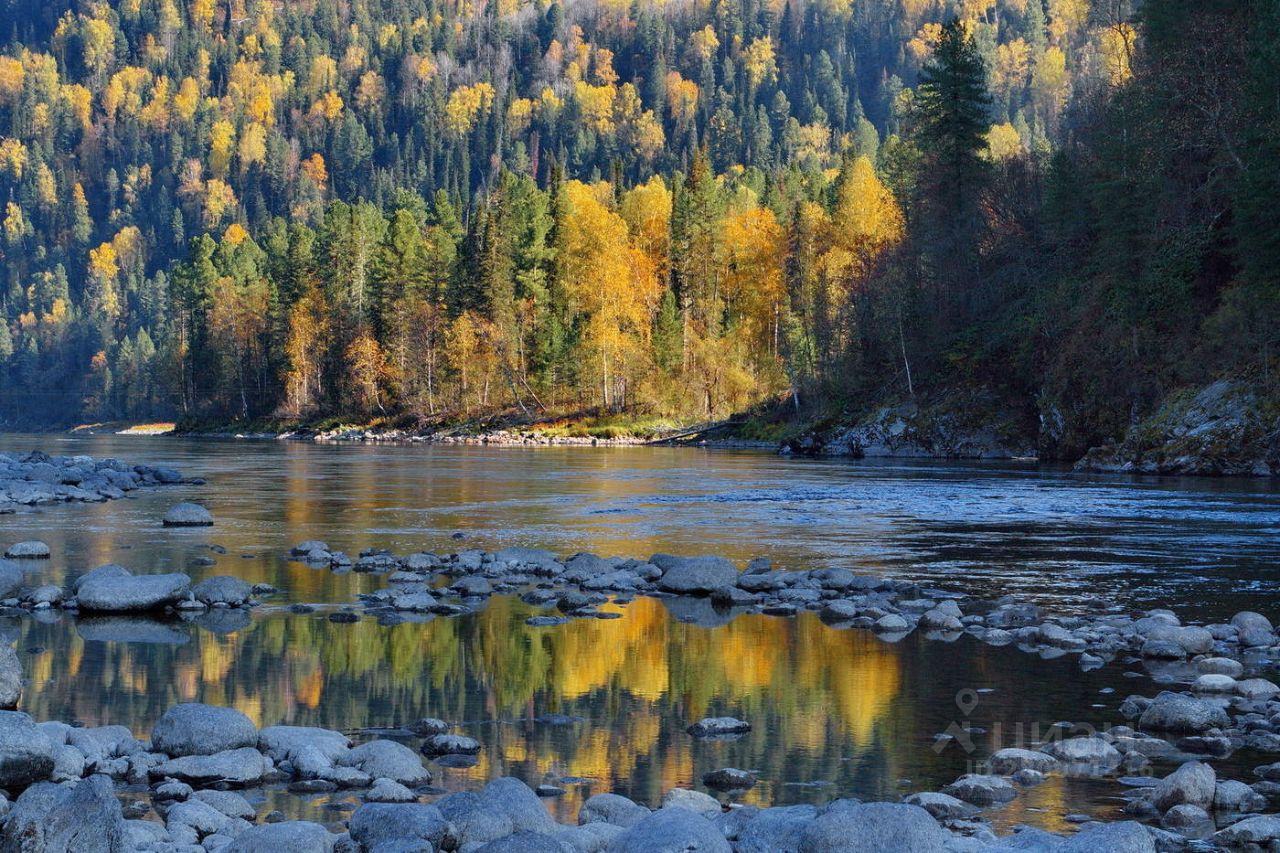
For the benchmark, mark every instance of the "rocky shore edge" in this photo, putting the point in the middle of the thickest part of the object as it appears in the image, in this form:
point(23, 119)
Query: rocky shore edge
point(35, 478)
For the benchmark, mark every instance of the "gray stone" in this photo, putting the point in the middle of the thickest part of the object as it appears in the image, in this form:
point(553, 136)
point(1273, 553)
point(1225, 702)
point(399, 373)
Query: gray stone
point(850, 827)
point(1257, 688)
point(81, 818)
point(1012, 759)
point(1085, 753)
point(1187, 816)
point(1261, 830)
point(114, 589)
point(284, 742)
point(1175, 712)
point(10, 677)
point(775, 830)
point(32, 549)
point(718, 726)
point(450, 745)
point(694, 575)
point(374, 824)
point(1121, 837)
point(518, 802)
point(1193, 783)
point(236, 767)
point(229, 803)
point(193, 821)
point(941, 806)
point(389, 791)
point(671, 831)
point(729, 779)
point(891, 623)
point(1233, 796)
point(695, 801)
point(472, 822)
point(1253, 629)
point(196, 729)
point(388, 759)
point(187, 514)
point(612, 808)
point(223, 589)
point(26, 753)
point(292, 836)
point(523, 842)
point(588, 838)
point(981, 789)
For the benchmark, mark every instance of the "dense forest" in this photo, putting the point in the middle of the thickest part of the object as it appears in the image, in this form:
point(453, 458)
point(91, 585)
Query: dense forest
point(428, 210)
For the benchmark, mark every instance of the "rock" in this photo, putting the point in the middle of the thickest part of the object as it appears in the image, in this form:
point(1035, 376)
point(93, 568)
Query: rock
point(389, 791)
point(695, 801)
point(588, 838)
point(729, 779)
point(291, 836)
point(891, 623)
point(473, 823)
point(1220, 666)
point(1187, 816)
point(450, 745)
point(229, 803)
point(81, 818)
point(32, 549)
point(428, 726)
point(981, 789)
point(223, 589)
point(388, 759)
point(523, 842)
point(114, 589)
point(846, 826)
point(1233, 796)
point(671, 831)
point(694, 575)
point(1175, 712)
point(1193, 783)
point(1253, 629)
point(196, 729)
point(26, 753)
point(718, 726)
point(10, 677)
point(236, 767)
point(939, 620)
point(193, 821)
point(375, 824)
point(517, 801)
point(1085, 753)
point(1212, 683)
point(286, 742)
point(1256, 688)
point(941, 806)
point(1120, 837)
point(188, 514)
point(613, 809)
point(1262, 831)
point(1010, 760)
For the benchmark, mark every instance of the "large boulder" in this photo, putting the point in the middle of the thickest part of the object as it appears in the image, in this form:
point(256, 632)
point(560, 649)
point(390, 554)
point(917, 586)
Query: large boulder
point(196, 729)
point(773, 830)
point(292, 836)
point(284, 742)
point(694, 575)
point(1193, 784)
point(10, 677)
point(81, 818)
point(1176, 712)
point(472, 821)
point(1262, 830)
point(671, 831)
point(26, 753)
point(981, 789)
point(517, 801)
point(187, 514)
point(613, 809)
point(1085, 754)
point(1122, 837)
point(1253, 629)
point(374, 824)
point(114, 589)
point(848, 827)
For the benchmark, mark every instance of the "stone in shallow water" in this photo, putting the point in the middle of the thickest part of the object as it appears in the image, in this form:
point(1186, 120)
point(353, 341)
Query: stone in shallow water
point(223, 589)
point(187, 514)
point(941, 806)
point(715, 726)
point(196, 729)
point(671, 831)
point(1012, 759)
point(10, 677)
point(389, 791)
point(428, 726)
point(84, 818)
point(237, 767)
point(1088, 754)
point(729, 779)
point(1176, 712)
point(295, 836)
point(694, 575)
point(374, 824)
point(32, 549)
point(26, 753)
point(613, 809)
point(388, 759)
point(846, 826)
point(1193, 783)
point(115, 589)
point(450, 745)
point(981, 790)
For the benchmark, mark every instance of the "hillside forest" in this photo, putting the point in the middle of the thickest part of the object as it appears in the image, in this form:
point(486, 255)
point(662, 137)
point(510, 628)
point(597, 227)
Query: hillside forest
point(439, 210)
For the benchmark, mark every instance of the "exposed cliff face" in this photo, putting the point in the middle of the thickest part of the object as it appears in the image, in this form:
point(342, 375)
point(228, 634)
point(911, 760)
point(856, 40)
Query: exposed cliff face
point(962, 425)
point(1225, 428)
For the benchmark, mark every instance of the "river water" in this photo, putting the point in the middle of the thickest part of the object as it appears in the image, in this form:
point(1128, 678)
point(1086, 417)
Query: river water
point(835, 712)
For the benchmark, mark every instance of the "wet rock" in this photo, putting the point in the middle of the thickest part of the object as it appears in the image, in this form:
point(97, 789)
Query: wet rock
point(80, 818)
point(1121, 837)
point(1193, 783)
point(523, 842)
point(387, 759)
point(613, 809)
point(32, 549)
point(450, 745)
point(10, 677)
point(114, 589)
point(26, 753)
point(1012, 759)
point(229, 803)
point(981, 789)
point(375, 824)
point(940, 620)
point(187, 514)
point(694, 575)
point(1176, 712)
point(294, 836)
point(1253, 629)
point(941, 806)
point(518, 803)
point(193, 821)
point(196, 729)
point(719, 726)
point(1014, 616)
point(1233, 796)
point(1259, 831)
point(846, 826)
point(236, 767)
point(428, 726)
point(891, 623)
point(285, 743)
point(671, 831)
point(1214, 684)
point(472, 822)
point(1220, 666)
point(389, 791)
point(695, 801)
point(729, 779)
point(223, 590)
point(1256, 688)
point(1085, 753)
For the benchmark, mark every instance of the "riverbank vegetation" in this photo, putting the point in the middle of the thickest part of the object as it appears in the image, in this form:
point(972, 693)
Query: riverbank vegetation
point(422, 210)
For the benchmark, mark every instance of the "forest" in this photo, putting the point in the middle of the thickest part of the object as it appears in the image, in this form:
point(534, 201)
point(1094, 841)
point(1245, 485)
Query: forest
point(430, 211)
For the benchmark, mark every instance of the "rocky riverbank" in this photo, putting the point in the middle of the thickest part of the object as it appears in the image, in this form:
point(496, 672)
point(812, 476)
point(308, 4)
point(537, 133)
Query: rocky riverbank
point(29, 479)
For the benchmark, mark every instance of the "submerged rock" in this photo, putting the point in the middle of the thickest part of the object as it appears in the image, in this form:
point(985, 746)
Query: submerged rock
point(729, 779)
point(718, 726)
point(187, 514)
point(223, 590)
point(450, 745)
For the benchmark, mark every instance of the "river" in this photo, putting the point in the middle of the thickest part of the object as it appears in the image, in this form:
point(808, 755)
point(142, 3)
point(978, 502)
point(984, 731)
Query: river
point(835, 712)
